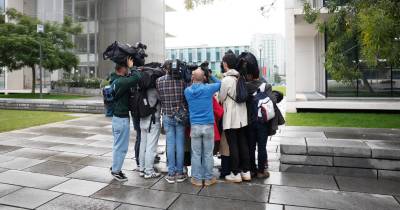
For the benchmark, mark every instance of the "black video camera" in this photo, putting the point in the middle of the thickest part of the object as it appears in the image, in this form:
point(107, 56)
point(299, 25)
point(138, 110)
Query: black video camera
point(181, 70)
point(119, 53)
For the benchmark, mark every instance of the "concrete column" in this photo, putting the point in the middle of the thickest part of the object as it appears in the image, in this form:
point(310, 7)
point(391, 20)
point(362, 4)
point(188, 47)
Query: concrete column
point(290, 51)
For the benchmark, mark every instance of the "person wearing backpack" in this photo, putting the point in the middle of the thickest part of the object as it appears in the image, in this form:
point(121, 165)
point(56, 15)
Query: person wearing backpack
point(235, 119)
point(257, 131)
point(120, 119)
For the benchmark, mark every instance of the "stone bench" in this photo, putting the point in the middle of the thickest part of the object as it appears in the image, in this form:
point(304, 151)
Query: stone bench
point(359, 158)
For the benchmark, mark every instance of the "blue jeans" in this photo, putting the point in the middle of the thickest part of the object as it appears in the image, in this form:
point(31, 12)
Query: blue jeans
point(175, 133)
point(120, 130)
point(202, 151)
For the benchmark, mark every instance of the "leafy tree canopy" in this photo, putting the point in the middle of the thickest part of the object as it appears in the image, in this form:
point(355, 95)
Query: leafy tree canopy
point(358, 30)
point(19, 43)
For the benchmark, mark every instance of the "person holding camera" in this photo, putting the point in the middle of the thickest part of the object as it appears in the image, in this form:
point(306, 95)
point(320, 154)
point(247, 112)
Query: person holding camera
point(234, 120)
point(199, 97)
point(173, 107)
point(120, 119)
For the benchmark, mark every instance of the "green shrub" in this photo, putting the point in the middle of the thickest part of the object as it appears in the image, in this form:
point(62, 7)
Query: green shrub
point(79, 82)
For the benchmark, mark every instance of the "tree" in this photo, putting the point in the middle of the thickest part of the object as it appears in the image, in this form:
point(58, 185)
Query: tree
point(358, 30)
point(19, 44)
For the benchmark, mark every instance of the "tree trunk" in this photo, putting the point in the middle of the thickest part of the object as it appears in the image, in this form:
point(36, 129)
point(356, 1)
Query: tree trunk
point(366, 83)
point(33, 79)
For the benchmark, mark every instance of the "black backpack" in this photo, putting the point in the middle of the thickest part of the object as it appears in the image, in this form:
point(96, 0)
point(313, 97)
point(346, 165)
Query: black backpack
point(139, 104)
point(241, 90)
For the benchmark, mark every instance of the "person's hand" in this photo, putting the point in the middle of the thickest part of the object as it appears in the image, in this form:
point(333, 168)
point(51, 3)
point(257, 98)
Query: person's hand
point(129, 62)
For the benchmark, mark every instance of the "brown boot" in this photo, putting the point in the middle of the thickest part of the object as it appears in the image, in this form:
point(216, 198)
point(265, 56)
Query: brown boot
point(263, 175)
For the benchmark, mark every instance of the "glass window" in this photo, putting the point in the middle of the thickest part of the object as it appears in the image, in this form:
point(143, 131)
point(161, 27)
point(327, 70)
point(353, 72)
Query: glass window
point(91, 71)
point(208, 53)
point(81, 10)
point(198, 55)
point(92, 12)
point(92, 43)
point(190, 55)
point(81, 43)
point(2, 78)
point(2, 6)
point(213, 66)
point(217, 54)
point(67, 7)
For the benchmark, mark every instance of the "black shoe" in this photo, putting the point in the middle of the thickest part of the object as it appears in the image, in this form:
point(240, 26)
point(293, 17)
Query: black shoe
point(119, 176)
point(157, 159)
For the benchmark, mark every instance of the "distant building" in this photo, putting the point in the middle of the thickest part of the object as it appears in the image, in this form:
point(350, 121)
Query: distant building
point(199, 54)
point(269, 50)
point(103, 21)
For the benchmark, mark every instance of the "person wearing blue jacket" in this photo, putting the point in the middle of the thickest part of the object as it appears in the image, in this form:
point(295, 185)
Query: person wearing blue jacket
point(199, 98)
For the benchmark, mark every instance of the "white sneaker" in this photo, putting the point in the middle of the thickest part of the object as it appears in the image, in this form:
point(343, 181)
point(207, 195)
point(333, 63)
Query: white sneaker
point(152, 175)
point(141, 173)
point(233, 178)
point(246, 176)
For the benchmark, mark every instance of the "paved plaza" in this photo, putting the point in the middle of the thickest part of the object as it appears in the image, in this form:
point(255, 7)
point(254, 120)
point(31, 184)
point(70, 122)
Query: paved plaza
point(66, 166)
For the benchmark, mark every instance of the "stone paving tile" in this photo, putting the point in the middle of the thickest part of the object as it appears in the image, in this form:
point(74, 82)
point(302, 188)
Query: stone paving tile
point(336, 171)
point(74, 202)
point(64, 132)
point(63, 140)
point(133, 207)
point(331, 199)
point(291, 145)
point(375, 186)
point(299, 208)
point(67, 157)
point(92, 173)
point(299, 180)
point(6, 189)
point(82, 149)
point(20, 163)
point(39, 144)
point(87, 122)
point(28, 179)
point(4, 207)
point(79, 187)
point(32, 153)
point(101, 137)
point(243, 191)
point(184, 187)
point(5, 149)
point(4, 158)
point(102, 161)
point(18, 134)
point(105, 144)
point(135, 180)
point(307, 134)
point(54, 168)
point(307, 160)
point(137, 196)
point(185, 202)
point(28, 198)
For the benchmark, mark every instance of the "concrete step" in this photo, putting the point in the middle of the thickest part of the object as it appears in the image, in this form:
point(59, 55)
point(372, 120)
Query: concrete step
point(344, 157)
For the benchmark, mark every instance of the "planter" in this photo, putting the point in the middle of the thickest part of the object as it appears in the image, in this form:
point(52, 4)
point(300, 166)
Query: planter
point(77, 91)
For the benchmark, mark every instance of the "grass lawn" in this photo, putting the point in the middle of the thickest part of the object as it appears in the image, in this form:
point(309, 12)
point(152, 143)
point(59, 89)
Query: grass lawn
point(360, 120)
point(18, 119)
point(37, 96)
point(281, 89)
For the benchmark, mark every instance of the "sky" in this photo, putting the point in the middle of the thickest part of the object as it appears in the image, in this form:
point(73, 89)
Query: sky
point(223, 22)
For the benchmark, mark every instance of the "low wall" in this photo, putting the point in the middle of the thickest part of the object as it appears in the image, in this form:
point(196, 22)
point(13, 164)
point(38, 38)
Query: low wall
point(77, 91)
point(79, 106)
point(358, 158)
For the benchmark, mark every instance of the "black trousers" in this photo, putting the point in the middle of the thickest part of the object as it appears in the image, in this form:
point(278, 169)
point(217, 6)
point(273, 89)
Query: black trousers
point(257, 134)
point(238, 149)
point(136, 126)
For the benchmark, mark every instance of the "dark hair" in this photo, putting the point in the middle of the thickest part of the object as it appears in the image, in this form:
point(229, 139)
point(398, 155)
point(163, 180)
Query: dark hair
point(248, 65)
point(119, 66)
point(167, 66)
point(230, 59)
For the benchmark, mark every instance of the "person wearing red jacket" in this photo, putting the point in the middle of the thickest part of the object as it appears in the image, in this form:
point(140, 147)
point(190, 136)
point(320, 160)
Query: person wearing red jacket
point(218, 113)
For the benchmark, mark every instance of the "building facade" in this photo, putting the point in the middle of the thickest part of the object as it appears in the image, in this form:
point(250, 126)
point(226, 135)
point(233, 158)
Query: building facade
point(198, 54)
point(306, 77)
point(103, 22)
point(270, 52)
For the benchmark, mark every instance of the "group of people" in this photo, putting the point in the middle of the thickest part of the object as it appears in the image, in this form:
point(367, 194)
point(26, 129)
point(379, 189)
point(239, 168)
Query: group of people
point(218, 122)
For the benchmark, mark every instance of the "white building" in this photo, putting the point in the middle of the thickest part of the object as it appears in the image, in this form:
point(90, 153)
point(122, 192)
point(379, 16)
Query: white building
point(308, 84)
point(270, 52)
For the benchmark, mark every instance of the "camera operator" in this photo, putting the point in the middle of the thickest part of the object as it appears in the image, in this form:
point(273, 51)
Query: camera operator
point(171, 90)
point(120, 120)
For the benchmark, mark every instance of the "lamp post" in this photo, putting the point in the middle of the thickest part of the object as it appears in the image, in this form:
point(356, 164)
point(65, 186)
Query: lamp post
point(40, 29)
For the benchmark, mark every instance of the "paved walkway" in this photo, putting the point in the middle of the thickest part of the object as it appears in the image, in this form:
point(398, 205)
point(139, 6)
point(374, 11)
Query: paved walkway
point(66, 166)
